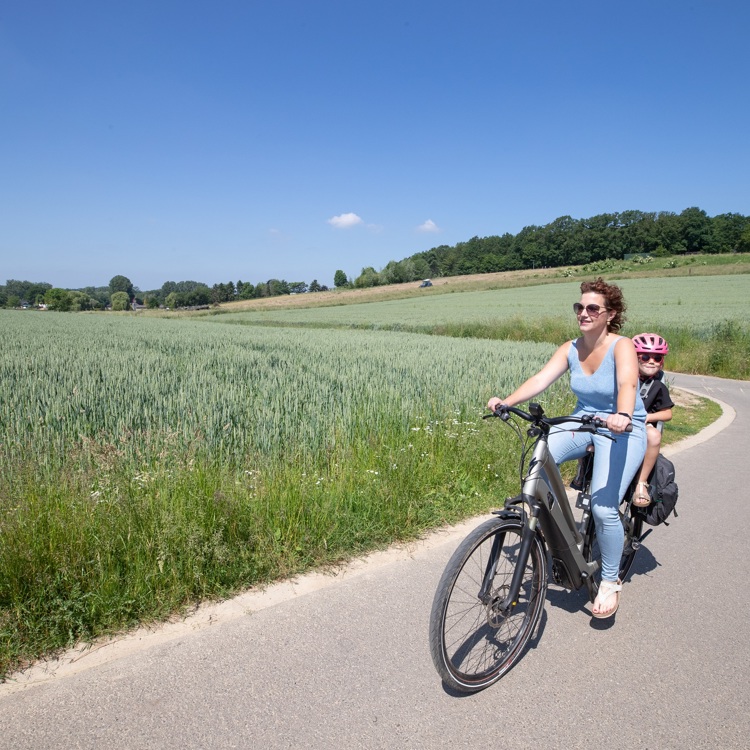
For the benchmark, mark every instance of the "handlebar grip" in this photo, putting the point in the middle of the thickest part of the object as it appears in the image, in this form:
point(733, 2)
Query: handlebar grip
point(599, 423)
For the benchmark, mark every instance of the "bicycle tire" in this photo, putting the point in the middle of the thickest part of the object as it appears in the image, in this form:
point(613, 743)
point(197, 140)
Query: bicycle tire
point(633, 527)
point(472, 646)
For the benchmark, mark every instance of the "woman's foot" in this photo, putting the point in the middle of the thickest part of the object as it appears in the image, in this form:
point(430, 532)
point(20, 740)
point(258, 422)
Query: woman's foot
point(607, 599)
point(641, 498)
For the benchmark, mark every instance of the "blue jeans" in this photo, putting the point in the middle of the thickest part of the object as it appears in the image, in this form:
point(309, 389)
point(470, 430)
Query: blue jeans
point(615, 464)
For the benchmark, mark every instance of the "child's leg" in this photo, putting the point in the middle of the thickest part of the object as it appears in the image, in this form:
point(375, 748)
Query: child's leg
point(653, 443)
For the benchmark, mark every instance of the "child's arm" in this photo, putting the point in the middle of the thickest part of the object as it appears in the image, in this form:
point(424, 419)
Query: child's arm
point(663, 415)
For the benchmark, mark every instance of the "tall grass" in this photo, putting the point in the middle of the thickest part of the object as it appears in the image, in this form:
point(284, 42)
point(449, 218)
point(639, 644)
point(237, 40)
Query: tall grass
point(722, 349)
point(149, 464)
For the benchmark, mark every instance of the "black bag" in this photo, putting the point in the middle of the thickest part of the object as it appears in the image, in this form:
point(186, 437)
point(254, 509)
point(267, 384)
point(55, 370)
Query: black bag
point(663, 491)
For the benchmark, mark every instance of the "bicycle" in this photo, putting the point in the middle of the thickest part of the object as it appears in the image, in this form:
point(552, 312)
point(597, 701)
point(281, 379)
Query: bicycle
point(491, 595)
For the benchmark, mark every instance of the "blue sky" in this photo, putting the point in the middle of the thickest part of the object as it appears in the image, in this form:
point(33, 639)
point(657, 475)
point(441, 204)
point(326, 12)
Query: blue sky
point(286, 139)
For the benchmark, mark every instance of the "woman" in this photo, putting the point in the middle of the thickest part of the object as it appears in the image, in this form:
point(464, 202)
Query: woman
point(604, 376)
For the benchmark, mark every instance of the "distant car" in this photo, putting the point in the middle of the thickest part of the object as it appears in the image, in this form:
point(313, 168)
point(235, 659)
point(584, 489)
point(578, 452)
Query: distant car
point(425, 283)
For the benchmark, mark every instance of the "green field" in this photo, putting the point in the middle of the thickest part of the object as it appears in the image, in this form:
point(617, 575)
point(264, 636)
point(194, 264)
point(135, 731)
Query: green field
point(706, 319)
point(651, 302)
point(149, 463)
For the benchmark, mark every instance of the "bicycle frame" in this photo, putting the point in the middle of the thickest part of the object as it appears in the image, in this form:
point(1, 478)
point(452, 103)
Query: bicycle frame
point(545, 493)
point(549, 512)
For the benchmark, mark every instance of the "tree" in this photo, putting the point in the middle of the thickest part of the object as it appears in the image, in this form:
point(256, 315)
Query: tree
point(696, 230)
point(245, 290)
point(121, 284)
point(218, 293)
point(120, 301)
point(277, 287)
point(152, 302)
point(339, 279)
point(28, 290)
point(81, 301)
point(171, 300)
point(314, 286)
point(57, 299)
point(297, 287)
point(368, 277)
point(392, 273)
point(98, 293)
point(421, 267)
point(727, 231)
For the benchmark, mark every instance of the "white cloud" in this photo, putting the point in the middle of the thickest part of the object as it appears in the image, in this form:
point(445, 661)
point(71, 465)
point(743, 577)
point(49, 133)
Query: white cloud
point(428, 226)
point(345, 221)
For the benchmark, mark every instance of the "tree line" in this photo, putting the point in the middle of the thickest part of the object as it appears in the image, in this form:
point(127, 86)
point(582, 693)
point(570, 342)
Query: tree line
point(573, 242)
point(563, 242)
point(122, 294)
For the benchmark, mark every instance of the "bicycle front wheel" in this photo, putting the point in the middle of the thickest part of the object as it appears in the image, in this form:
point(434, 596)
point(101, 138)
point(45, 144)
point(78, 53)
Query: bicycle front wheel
point(472, 642)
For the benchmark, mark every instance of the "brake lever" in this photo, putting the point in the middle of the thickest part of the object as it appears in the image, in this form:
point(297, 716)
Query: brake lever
point(503, 414)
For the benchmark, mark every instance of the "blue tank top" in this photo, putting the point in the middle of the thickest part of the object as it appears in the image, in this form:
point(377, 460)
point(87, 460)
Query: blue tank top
point(598, 392)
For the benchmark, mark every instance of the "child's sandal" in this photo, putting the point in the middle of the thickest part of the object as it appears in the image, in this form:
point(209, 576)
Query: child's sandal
point(641, 497)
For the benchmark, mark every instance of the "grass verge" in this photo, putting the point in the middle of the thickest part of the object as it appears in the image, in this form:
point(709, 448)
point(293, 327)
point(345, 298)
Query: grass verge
point(152, 539)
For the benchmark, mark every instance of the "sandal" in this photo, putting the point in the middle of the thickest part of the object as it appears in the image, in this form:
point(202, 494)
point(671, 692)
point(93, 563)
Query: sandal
point(607, 589)
point(641, 498)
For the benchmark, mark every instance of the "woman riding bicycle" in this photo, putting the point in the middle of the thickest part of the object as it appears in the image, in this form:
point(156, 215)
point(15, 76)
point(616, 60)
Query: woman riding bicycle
point(604, 377)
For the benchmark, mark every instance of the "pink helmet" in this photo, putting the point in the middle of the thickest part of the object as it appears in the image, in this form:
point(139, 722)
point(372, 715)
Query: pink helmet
point(651, 343)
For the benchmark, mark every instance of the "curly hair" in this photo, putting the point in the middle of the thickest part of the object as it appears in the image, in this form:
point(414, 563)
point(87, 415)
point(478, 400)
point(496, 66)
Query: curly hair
point(613, 297)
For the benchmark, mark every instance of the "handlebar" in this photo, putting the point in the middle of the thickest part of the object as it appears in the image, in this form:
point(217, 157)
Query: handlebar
point(588, 422)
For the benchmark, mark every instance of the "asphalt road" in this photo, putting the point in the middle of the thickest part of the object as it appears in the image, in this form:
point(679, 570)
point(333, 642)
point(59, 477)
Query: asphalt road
point(347, 664)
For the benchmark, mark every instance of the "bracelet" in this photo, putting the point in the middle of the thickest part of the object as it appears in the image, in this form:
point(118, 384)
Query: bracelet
point(625, 414)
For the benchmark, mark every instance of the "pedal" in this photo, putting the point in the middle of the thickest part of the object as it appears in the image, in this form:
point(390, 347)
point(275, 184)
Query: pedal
point(583, 501)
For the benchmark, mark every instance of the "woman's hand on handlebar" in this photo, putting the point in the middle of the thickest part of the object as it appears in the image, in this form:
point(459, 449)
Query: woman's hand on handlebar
point(618, 423)
point(494, 403)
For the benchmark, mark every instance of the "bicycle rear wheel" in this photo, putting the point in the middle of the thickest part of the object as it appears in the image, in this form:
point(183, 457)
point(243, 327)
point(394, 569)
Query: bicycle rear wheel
point(633, 527)
point(472, 643)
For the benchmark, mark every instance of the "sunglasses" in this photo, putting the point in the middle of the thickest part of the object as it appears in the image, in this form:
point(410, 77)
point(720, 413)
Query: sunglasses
point(656, 357)
point(593, 311)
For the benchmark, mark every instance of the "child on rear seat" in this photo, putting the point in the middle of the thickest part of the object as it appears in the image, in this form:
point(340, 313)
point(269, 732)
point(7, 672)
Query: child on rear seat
point(651, 349)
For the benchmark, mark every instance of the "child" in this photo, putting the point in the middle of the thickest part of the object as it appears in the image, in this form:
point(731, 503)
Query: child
point(651, 349)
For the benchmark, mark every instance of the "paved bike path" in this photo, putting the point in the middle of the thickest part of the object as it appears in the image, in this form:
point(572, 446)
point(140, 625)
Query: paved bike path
point(348, 665)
